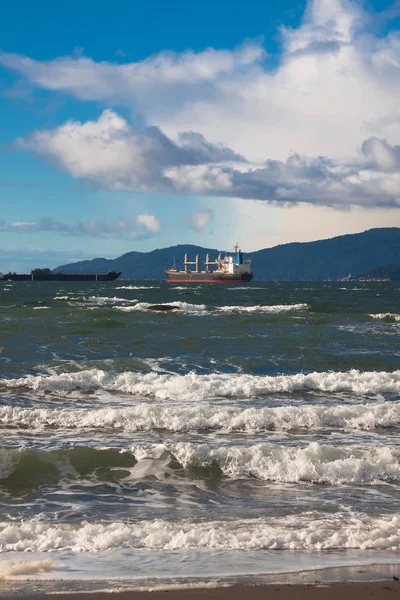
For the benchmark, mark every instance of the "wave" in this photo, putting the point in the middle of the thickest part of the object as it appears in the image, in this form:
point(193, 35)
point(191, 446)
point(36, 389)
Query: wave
point(215, 385)
point(310, 530)
point(389, 317)
point(273, 309)
point(185, 418)
point(315, 463)
point(137, 287)
point(28, 468)
point(179, 306)
point(202, 309)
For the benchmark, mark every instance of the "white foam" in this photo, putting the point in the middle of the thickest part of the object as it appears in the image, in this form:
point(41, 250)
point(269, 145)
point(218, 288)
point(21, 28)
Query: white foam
point(273, 309)
point(137, 287)
point(203, 309)
point(316, 463)
point(40, 307)
point(193, 585)
point(180, 306)
point(310, 530)
point(193, 417)
point(387, 316)
point(196, 387)
point(14, 569)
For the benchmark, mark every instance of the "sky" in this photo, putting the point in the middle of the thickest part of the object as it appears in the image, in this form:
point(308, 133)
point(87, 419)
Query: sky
point(136, 126)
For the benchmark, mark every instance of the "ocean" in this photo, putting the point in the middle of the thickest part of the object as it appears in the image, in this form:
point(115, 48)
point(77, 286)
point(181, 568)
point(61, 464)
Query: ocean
point(254, 431)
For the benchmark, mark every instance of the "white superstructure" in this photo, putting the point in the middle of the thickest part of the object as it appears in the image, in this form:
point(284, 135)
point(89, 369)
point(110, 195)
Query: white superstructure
point(234, 265)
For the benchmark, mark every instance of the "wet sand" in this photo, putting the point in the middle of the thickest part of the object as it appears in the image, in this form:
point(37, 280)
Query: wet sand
point(335, 591)
point(334, 583)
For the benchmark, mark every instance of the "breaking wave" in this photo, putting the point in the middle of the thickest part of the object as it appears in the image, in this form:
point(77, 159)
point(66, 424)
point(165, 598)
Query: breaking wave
point(315, 463)
point(389, 317)
point(310, 530)
point(184, 418)
point(178, 306)
point(202, 309)
point(215, 385)
point(273, 309)
point(137, 287)
point(29, 468)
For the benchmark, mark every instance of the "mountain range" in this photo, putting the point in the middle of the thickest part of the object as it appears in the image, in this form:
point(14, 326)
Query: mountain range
point(298, 261)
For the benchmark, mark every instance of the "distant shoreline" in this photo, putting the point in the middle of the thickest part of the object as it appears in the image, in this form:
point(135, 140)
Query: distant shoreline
point(376, 250)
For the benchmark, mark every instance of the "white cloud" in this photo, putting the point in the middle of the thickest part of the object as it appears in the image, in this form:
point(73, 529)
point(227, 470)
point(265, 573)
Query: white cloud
point(115, 155)
point(150, 222)
point(88, 80)
point(333, 94)
point(199, 219)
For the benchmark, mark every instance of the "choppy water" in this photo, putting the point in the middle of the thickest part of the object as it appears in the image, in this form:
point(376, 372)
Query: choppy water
point(255, 429)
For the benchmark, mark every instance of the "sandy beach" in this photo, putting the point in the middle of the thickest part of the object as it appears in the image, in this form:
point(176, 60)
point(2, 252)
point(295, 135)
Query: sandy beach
point(342, 582)
point(333, 591)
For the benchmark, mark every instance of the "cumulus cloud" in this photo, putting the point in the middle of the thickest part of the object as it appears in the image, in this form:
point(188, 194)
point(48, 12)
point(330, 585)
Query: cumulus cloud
point(199, 219)
point(322, 127)
point(117, 156)
point(150, 222)
point(142, 227)
point(380, 155)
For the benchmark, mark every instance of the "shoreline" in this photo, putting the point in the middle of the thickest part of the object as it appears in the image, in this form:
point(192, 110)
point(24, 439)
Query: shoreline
point(329, 583)
point(333, 591)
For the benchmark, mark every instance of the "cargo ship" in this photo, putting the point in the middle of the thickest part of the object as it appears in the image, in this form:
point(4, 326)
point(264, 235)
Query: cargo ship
point(48, 275)
point(230, 269)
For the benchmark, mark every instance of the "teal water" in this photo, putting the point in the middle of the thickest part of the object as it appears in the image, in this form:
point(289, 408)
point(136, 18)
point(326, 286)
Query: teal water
point(251, 429)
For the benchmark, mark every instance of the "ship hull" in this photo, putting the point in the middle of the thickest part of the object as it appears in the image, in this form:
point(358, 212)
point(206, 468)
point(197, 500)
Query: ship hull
point(204, 277)
point(60, 276)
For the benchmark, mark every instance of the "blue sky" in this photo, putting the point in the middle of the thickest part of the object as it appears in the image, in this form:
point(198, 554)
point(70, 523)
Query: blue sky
point(142, 125)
